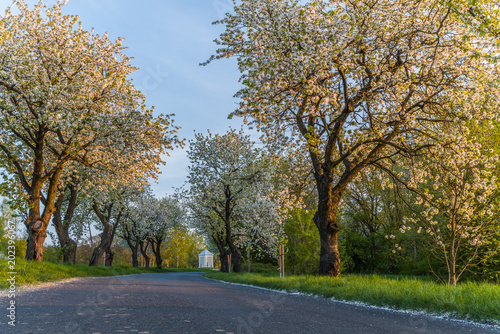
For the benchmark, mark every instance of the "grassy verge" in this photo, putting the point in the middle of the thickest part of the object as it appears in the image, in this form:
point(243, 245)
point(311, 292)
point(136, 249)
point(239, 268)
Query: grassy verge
point(29, 272)
point(471, 301)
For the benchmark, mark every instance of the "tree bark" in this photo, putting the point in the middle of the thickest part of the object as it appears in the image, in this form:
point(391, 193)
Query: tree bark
point(248, 259)
point(109, 257)
point(99, 251)
point(135, 251)
point(224, 261)
point(109, 254)
point(325, 219)
point(237, 260)
point(135, 259)
point(37, 224)
point(36, 237)
point(132, 240)
point(144, 252)
point(156, 246)
point(158, 259)
point(452, 266)
point(68, 245)
point(106, 237)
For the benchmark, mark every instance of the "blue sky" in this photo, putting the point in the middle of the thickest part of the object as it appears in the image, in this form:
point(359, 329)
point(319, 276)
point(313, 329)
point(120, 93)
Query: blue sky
point(168, 39)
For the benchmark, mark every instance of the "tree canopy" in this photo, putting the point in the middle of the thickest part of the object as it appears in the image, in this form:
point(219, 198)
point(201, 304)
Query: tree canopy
point(360, 82)
point(67, 101)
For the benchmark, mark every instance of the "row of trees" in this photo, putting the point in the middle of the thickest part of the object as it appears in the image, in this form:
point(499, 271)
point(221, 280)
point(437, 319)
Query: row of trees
point(179, 248)
point(232, 197)
point(132, 214)
point(390, 86)
point(370, 100)
point(73, 128)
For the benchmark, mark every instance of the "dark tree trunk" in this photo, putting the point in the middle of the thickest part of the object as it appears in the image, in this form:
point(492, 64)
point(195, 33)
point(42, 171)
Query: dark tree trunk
point(156, 246)
point(109, 254)
point(106, 236)
point(68, 246)
point(223, 253)
point(329, 263)
point(248, 259)
point(134, 247)
point(144, 252)
point(158, 259)
point(224, 261)
point(109, 257)
point(99, 251)
point(326, 161)
point(135, 259)
point(33, 185)
point(325, 219)
point(127, 234)
point(237, 260)
point(146, 260)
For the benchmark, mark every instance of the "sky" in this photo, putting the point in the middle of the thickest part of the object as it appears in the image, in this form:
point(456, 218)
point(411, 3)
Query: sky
point(168, 39)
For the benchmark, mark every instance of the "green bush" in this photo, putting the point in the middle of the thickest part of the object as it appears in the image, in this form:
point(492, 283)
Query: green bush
point(303, 245)
point(52, 254)
point(20, 248)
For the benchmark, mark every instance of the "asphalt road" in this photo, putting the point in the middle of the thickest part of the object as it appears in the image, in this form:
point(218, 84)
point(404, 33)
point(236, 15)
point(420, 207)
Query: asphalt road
point(188, 303)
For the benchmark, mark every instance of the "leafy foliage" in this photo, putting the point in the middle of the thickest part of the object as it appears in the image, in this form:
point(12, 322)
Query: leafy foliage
point(302, 245)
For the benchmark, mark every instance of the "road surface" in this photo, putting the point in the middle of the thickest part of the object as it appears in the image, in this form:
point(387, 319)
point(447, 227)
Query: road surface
point(189, 303)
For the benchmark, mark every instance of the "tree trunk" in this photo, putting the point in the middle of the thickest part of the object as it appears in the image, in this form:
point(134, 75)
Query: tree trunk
point(133, 244)
point(325, 220)
point(135, 260)
point(248, 259)
point(105, 243)
point(224, 261)
point(35, 225)
point(109, 254)
point(68, 245)
point(329, 260)
point(235, 252)
point(157, 252)
point(144, 252)
point(158, 259)
point(452, 266)
point(36, 237)
point(237, 261)
point(69, 251)
point(106, 238)
point(109, 257)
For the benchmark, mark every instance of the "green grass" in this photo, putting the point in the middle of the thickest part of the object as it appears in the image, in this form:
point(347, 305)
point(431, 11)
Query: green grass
point(29, 272)
point(471, 301)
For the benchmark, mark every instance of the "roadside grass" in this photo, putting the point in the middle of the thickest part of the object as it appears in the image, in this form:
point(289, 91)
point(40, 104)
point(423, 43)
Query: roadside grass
point(31, 272)
point(469, 301)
